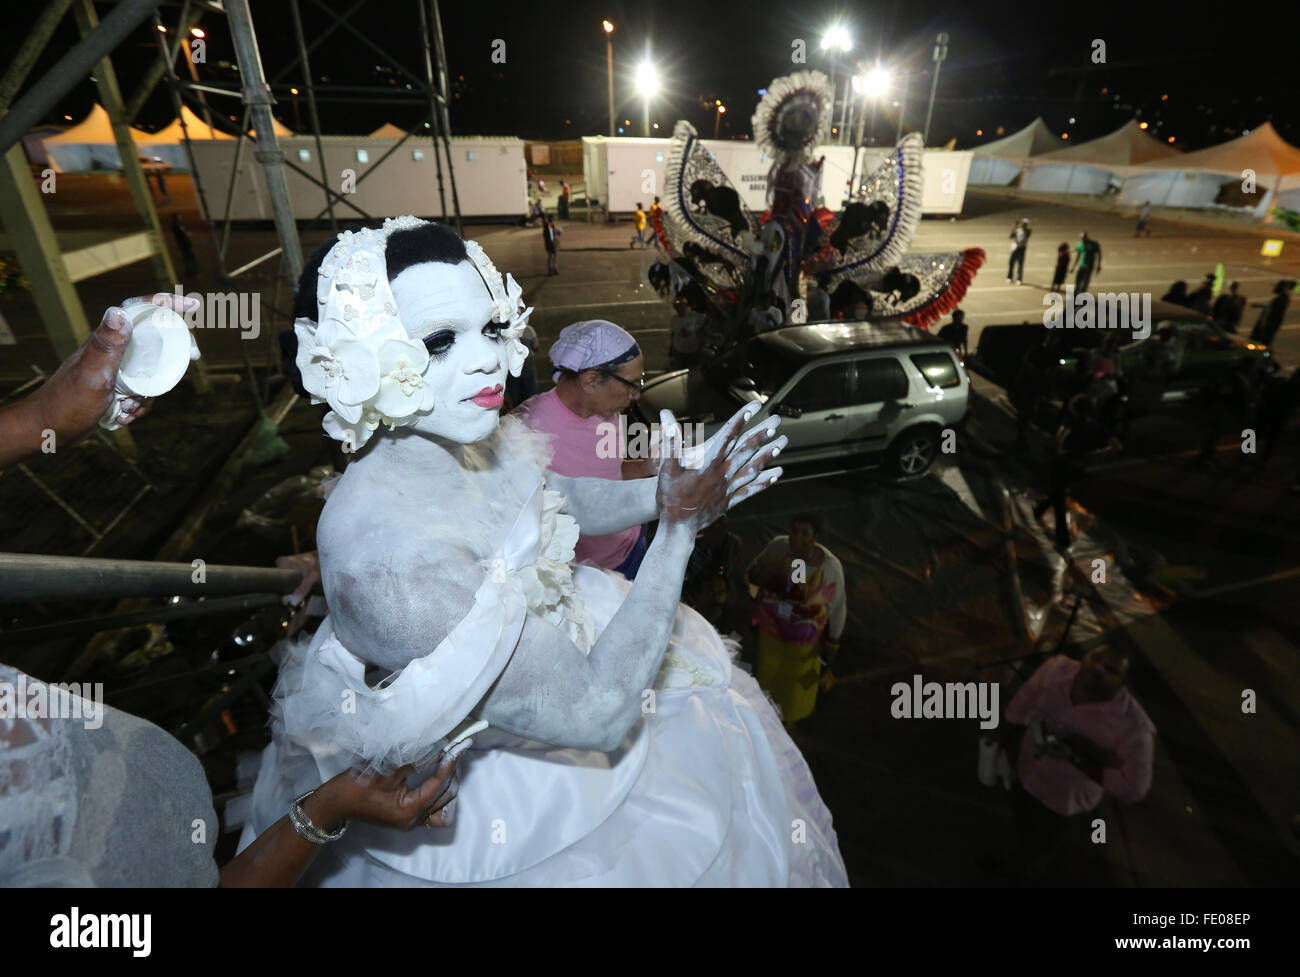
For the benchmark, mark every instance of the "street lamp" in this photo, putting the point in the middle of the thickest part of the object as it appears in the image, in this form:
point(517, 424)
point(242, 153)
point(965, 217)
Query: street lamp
point(837, 39)
point(647, 84)
point(717, 118)
point(609, 62)
point(940, 52)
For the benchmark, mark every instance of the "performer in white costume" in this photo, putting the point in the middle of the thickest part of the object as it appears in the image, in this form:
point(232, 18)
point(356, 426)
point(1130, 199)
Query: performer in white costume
point(613, 742)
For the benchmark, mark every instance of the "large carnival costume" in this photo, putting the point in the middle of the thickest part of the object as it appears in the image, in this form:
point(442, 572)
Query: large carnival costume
point(705, 789)
point(737, 258)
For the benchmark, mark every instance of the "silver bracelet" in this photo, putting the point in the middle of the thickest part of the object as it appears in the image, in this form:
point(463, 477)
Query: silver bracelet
point(304, 826)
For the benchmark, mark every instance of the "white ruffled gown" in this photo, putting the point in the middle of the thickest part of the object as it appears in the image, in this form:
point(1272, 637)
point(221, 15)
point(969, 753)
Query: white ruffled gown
point(707, 789)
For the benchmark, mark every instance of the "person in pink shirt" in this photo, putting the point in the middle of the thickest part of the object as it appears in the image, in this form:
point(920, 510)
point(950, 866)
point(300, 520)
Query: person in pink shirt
point(1087, 737)
point(598, 373)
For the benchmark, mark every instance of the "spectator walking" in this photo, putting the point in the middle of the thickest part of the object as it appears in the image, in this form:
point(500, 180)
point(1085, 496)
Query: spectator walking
point(799, 608)
point(640, 219)
point(551, 240)
point(1087, 262)
point(1143, 216)
point(1082, 736)
point(1203, 297)
point(1077, 438)
point(1032, 383)
point(1229, 404)
point(956, 333)
point(564, 201)
point(598, 373)
point(1019, 244)
point(1062, 265)
point(1228, 308)
point(656, 215)
point(1277, 402)
point(1270, 320)
point(819, 300)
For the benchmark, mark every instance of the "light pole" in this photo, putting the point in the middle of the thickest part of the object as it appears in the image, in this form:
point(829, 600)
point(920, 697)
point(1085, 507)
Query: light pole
point(872, 85)
point(940, 52)
point(647, 83)
point(717, 117)
point(837, 39)
point(902, 107)
point(609, 62)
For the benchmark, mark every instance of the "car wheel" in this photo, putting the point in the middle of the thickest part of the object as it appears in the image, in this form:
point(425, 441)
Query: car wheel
point(912, 452)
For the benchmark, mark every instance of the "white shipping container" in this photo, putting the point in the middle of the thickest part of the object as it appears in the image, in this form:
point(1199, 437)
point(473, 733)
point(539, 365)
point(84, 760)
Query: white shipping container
point(491, 177)
point(631, 170)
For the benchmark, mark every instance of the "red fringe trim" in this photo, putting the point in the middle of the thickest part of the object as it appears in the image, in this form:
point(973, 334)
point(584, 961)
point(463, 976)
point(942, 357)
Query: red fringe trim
point(953, 292)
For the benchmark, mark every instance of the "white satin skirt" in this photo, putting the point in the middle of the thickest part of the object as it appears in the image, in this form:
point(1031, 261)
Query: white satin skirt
point(706, 790)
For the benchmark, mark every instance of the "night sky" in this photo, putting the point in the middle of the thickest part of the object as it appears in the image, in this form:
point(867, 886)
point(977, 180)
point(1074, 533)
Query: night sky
point(1007, 63)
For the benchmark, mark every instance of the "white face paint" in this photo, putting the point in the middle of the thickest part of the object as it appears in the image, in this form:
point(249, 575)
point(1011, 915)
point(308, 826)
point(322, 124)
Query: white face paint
point(448, 308)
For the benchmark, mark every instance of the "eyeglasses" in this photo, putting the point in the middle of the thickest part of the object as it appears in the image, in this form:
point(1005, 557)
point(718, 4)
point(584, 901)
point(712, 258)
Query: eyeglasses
point(638, 385)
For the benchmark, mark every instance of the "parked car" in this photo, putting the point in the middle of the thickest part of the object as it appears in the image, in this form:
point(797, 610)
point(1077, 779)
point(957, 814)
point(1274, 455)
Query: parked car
point(1180, 357)
point(1184, 352)
point(885, 391)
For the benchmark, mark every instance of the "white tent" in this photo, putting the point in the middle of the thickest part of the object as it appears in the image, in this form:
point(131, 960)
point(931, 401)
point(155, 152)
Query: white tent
point(1260, 156)
point(997, 163)
point(1088, 166)
point(388, 131)
point(168, 144)
point(89, 145)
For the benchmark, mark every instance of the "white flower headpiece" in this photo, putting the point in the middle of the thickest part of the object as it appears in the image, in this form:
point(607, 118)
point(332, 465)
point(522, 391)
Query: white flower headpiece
point(358, 357)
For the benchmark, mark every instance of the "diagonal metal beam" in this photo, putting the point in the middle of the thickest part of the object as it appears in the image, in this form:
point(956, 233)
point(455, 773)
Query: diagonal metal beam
point(320, 39)
point(33, 45)
point(70, 69)
point(161, 68)
point(368, 42)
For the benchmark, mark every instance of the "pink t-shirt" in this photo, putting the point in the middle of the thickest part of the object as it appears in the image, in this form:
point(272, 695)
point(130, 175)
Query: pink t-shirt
point(1119, 725)
point(574, 442)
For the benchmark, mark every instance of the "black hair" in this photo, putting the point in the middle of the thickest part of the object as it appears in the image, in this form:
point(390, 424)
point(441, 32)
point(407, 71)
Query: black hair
point(428, 242)
point(811, 519)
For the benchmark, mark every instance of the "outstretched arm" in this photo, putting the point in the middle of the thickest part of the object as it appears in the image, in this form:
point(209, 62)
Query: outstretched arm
point(601, 505)
point(550, 691)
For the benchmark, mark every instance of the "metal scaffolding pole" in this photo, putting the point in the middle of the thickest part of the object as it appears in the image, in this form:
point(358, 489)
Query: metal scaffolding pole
point(111, 97)
point(72, 68)
point(27, 577)
point(311, 107)
point(165, 60)
point(443, 87)
point(34, 43)
point(435, 116)
point(257, 96)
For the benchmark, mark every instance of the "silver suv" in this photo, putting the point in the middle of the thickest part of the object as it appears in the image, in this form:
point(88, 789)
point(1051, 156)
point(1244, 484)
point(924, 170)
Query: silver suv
point(883, 390)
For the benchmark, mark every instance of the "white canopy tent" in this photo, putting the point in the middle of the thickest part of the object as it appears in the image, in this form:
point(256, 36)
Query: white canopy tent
point(387, 131)
point(1194, 179)
point(89, 145)
point(1088, 167)
point(168, 143)
point(997, 163)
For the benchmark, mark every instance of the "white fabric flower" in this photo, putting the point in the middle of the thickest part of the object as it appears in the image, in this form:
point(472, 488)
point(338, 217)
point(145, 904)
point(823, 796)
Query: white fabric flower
point(547, 582)
point(402, 387)
point(336, 367)
point(353, 435)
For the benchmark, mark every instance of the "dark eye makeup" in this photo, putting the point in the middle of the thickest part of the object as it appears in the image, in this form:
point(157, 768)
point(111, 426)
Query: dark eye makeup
point(438, 343)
